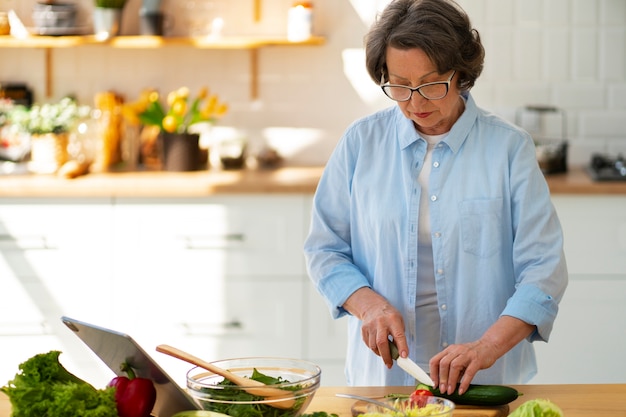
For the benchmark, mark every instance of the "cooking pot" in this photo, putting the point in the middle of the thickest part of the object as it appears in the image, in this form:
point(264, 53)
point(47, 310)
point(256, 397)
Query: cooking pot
point(54, 15)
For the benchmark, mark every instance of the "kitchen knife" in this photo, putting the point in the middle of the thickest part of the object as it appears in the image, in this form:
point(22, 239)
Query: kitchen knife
point(409, 366)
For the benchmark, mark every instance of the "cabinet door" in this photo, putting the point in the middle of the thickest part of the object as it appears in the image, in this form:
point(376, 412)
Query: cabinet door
point(224, 319)
point(588, 340)
point(594, 228)
point(588, 335)
point(54, 257)
point(326, 339)
point(238, 235)
point(220, 276)
point(59, 250)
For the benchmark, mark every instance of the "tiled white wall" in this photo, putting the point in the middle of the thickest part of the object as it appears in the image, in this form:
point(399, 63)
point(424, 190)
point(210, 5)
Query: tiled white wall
point(566, 53)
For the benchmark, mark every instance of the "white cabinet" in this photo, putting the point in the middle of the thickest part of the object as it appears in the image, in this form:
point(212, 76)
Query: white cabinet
point(60, 251)
point(326, 338)
point(54, 260)
point(588, 339)
point(595, 233)
point(220, 277)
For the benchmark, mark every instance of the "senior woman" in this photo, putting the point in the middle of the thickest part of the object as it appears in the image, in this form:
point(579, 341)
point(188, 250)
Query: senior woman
point(432, 223)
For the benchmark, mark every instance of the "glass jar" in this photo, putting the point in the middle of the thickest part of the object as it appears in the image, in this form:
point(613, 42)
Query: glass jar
point(5, 25)
point(300, 21)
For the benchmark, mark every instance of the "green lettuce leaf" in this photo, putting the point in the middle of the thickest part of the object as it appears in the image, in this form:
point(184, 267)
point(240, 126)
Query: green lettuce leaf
point(537, 408)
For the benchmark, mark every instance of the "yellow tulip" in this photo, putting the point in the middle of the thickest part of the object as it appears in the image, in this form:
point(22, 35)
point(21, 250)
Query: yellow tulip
point(211, 104)
point(222, 109)
point(153, 96)
point(179, 107)
point(183, 92)
point(171, 98)
point(203, 93)
point(170, 124)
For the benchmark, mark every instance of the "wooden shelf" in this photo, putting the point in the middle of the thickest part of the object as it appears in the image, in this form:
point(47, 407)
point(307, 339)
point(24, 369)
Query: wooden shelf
point(146, 42)
point(251, 43)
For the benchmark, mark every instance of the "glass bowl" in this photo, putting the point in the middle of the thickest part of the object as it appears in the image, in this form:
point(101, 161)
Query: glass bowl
point(211, 392)
point(434, 407)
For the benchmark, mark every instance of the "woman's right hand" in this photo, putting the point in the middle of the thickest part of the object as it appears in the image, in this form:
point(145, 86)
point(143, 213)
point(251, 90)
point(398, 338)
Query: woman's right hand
point(379, 319)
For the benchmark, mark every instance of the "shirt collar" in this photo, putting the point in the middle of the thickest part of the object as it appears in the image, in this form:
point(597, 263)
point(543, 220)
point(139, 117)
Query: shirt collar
point(460, 130)
point(407, 134)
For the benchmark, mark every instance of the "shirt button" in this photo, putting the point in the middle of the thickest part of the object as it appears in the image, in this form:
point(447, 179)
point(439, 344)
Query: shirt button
point(436, 164)
point(437, 234)
point(444, 344)
point(439, 271)
point(444, 307)
point(433, 198)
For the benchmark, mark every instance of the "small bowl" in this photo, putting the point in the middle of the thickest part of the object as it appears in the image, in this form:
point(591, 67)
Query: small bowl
point(299, 377)
point(434, 407)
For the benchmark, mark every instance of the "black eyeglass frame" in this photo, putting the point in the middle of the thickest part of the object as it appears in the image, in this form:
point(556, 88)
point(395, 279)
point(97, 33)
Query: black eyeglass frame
point(418, 89)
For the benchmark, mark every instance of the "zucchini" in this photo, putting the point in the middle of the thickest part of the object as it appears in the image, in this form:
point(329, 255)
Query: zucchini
point(483, 395)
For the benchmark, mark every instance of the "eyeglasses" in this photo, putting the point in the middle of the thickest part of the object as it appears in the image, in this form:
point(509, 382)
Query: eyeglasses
point(430, 91)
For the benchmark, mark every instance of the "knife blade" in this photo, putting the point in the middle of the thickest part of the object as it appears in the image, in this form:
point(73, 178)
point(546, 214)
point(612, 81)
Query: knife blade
point(409, 366)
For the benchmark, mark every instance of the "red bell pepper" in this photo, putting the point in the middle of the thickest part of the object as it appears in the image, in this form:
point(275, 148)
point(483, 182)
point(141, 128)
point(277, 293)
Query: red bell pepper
point(135, 397)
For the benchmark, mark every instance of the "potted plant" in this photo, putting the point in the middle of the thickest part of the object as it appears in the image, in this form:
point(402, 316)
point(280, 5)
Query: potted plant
point(49, 125)
point(177, 120)
point(107, 18)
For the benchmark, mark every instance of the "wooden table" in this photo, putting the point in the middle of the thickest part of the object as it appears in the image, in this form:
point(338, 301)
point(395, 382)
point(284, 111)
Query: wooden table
point(595, 400)
point(575, 400)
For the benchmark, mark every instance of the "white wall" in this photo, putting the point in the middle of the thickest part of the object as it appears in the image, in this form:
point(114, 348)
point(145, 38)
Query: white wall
point(566, 53)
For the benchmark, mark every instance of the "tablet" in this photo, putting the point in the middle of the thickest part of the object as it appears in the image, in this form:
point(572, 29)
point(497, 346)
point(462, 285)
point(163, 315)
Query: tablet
point(115, 348)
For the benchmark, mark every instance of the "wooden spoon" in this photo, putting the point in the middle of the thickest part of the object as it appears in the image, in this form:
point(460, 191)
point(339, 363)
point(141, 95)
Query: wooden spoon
point(286, 399)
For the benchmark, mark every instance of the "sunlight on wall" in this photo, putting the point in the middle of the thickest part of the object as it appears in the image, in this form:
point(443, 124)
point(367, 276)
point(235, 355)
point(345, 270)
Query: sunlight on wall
point(355, 72)
point(367, 9)
point(354, 58)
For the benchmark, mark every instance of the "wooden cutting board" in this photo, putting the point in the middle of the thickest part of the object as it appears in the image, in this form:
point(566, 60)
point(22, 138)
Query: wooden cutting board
point(459, 410)
point(472, 411)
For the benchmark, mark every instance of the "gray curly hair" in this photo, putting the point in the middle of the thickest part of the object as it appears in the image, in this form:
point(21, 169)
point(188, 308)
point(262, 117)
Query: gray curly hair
point(440, 28)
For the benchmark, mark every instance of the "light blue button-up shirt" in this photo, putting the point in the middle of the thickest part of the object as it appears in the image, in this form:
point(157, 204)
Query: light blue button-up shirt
point(497, 242)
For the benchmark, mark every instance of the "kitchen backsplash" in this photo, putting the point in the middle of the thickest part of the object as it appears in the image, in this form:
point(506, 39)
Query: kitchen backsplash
point(570, 54)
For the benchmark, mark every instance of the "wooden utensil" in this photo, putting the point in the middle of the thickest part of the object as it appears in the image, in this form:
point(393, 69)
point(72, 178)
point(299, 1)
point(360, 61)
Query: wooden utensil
point(285, 398)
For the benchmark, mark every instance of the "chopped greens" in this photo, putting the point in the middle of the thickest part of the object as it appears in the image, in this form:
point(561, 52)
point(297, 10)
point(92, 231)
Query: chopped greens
point(243, 406)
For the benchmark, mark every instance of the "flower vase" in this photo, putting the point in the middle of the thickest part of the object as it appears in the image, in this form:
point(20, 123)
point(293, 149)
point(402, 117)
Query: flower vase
point(107, 22)
point(48, 152)
point(180, 151)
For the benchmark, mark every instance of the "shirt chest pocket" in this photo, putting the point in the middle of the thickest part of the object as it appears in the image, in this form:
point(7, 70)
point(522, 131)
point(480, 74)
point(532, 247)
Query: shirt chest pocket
point(481, 223)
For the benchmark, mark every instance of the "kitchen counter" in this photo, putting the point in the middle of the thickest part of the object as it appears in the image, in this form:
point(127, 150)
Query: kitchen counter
point(206, 183)
point(594, 400)
point(164, 184)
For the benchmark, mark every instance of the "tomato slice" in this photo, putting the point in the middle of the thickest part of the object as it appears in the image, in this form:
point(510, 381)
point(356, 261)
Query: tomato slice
point(419, 397)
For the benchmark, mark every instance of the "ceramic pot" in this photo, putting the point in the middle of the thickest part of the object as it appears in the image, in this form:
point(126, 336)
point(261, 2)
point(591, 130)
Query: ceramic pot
point(107, 22)
point(180, 151)
point(48, 152)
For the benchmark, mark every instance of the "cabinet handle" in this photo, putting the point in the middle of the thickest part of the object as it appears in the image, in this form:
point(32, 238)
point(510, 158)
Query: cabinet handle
point(10, 242)
point(219, 241)
point(211, 329)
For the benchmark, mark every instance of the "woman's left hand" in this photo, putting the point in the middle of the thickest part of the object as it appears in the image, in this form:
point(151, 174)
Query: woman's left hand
point(460, 363)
